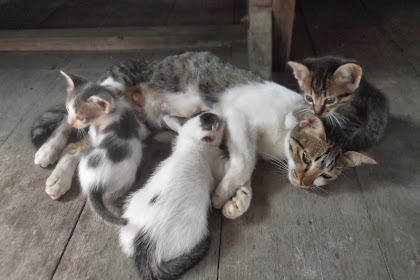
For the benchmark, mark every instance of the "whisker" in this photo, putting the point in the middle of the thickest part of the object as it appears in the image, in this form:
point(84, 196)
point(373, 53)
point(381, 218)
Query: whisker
point(321, 189)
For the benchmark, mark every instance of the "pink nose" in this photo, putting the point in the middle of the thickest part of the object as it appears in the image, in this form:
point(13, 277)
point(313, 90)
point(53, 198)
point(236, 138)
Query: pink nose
point(306, 182)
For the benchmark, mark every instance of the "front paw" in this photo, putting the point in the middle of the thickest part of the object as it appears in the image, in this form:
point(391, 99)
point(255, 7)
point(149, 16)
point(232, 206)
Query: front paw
point(238, 205)
point(58, 184)
point(46, 155)
point(218, 200)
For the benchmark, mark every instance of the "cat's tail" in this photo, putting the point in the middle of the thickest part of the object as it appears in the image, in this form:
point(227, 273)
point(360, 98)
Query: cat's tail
point(377, 121)
point(45, 125)
point(150, 268)
point(96, 198)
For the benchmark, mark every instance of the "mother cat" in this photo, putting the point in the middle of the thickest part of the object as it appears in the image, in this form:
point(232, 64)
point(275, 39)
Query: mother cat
point(258, 115)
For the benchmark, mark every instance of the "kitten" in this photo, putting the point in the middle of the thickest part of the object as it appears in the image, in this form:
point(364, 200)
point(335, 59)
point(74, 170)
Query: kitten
point(167, 230)
point(335, 90)
point(109, 165)
point(315, 161)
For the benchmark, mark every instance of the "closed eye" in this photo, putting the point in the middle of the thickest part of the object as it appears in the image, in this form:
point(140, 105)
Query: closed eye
point(326, 176)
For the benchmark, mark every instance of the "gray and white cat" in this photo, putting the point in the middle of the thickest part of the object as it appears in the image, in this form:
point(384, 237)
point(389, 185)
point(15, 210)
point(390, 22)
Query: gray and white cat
point(108, 167)
point(167, 230)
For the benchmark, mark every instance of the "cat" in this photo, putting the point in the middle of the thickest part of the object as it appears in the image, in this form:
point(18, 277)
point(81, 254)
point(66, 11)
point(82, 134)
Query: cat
point(109, 166)
point(335, 90)
point(255, 112)
point(167, 229)
point(313, 159)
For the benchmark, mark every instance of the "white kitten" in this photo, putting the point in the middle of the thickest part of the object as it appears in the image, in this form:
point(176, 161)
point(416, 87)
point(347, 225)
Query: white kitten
point(167, 218)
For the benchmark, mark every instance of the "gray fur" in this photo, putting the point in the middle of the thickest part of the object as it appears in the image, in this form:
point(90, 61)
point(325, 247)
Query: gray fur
point(149, 268)
point(364, 117)
point(45, 125)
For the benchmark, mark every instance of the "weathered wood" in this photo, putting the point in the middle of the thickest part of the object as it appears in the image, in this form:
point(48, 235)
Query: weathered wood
point(389, 190)
point(290, 233)
point(401, 22)
point(175, 37)
point(283, 15)
point(260, 41)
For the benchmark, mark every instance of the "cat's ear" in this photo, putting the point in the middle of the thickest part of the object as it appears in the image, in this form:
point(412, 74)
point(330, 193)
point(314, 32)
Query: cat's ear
point(352, 159)
point(173, 122)
point(301, 72)
point(100, 103)
point(312, 122)
point(348, 76)
point(72, 81)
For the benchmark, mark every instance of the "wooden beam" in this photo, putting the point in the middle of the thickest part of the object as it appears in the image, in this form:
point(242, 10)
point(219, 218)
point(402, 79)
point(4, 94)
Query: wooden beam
point(125, 38)
point(283, 15)
point(260, 41)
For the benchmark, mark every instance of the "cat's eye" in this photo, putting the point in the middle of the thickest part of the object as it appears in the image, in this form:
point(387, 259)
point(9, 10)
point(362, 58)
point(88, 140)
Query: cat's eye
point(81, 118)
point(308, 98)
point(306, 159)
point(326, 176)
point(330, 100)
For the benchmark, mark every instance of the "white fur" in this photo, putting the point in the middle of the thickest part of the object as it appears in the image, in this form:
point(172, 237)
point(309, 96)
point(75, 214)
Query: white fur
point(51, 150)
point(256, 123)
point(113, 84)
point(113, 176)
point(177, 221)
point(60, 179)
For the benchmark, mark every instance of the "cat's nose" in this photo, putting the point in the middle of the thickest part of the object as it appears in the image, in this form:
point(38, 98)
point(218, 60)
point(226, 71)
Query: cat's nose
point(306, 182)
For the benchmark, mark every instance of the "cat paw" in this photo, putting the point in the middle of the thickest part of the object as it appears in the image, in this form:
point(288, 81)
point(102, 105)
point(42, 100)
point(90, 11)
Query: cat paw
point(46, 155)
point(238, 205)
point(58, 184)
point(218, 200)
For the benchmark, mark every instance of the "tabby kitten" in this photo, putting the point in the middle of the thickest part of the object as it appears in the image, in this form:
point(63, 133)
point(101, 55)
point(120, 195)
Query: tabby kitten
point(109, 165)
point(335, 90)
point(315, 161)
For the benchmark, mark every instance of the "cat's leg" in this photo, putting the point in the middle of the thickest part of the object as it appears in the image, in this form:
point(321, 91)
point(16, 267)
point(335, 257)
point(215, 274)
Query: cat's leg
point(61, 178)
point(239, 203)
point(241, 143)
point(51, 150)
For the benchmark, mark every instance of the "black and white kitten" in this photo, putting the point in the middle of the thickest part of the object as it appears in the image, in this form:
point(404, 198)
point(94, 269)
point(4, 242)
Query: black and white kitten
point(109, 165)
point(167, 230)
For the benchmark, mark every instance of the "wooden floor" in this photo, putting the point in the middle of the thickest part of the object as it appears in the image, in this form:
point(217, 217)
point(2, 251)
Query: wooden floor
point(367, 227)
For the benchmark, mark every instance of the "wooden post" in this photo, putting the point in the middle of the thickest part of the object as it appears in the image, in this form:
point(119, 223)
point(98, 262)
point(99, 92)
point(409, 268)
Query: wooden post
point(283, 15)
point(260, 40)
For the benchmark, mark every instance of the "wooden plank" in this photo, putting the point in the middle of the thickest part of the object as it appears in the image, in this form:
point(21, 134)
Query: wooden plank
point(33, 228)
point(122, 38)
point(388, 191)
point(193, 12)
point(401, 22)
point(260, 41)
point(290, 233)
point(283, 15)
point(26, 13)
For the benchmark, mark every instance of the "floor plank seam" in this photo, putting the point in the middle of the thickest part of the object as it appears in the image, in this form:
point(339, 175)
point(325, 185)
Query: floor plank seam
point(68, 240)
point(388, 269)
point(306, 25)
point(220, 248)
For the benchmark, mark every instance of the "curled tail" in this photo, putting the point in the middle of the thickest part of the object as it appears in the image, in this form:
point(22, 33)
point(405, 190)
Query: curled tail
point(149, 268)
point(97, 202)
point(45, 125)
point(374, 129)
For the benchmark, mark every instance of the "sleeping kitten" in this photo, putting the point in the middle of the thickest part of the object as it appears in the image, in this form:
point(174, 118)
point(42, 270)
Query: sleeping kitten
point(315, 161)
point(335, 90)
point(167, 230)
point(110, 164)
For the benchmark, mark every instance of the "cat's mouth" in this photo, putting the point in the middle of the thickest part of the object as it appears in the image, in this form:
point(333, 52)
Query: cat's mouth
point(208, 138)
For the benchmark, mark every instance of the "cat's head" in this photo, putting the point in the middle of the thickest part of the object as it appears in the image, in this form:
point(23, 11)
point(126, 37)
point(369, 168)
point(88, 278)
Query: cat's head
point(86, 101)
point(327, 82)
point(204, 126)
point(312, 160)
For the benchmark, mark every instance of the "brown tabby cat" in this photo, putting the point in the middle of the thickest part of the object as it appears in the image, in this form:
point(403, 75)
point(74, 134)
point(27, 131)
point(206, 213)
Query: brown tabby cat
point(355, 112)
